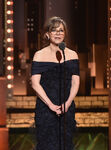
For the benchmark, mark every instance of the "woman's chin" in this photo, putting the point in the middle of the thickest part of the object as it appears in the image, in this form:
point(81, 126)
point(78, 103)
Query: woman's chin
point(57, 42)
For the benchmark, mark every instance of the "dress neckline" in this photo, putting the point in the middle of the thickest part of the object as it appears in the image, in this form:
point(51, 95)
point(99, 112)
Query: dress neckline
point(56, 62)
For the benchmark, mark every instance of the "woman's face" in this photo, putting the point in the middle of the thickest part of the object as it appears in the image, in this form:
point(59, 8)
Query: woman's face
point(57, 35)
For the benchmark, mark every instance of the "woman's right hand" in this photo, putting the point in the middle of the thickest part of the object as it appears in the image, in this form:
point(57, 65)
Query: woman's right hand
point(55, 108)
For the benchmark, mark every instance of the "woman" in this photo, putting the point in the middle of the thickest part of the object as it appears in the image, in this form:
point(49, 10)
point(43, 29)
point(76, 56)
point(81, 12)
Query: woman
point(49, 114)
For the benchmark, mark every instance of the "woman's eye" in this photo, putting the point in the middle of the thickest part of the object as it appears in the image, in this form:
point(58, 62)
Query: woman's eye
point(61, 30)
point(53, 30)
point(58, 30)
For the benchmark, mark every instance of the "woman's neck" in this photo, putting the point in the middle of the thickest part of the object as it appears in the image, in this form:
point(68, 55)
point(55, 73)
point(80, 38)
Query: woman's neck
point(54, 48)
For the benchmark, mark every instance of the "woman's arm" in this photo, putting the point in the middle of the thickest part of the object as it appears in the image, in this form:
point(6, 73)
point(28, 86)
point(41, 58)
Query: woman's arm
point(73, 92)
point(41, 93)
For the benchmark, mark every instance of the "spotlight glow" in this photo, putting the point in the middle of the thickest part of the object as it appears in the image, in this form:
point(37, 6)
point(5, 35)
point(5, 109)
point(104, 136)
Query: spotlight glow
point(9, 12)
point(9, 3)
point(9, 86)
point(9, 49)
point(9, 67)
point(9, 30)
point(9, 21)
point(9, 58)
point(10, 40)
point(9, 77)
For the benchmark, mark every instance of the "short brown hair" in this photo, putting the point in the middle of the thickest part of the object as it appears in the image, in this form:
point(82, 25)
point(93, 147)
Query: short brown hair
point(54, 22)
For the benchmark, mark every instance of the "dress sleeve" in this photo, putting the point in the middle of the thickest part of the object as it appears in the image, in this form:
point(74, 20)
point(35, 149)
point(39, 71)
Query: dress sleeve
point(75, 69)
point(36, 68)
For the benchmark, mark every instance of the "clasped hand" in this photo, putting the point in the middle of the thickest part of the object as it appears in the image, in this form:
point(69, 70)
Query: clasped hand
point(60, 109)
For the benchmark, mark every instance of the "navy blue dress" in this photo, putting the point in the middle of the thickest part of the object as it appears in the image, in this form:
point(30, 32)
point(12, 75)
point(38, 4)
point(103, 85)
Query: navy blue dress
point(47, 122)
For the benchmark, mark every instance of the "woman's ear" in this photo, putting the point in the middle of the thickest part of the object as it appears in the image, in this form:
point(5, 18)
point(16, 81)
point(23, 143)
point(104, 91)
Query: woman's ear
point(47, 35)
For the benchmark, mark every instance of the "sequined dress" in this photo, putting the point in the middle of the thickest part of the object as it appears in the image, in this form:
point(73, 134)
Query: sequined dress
point(49, 132)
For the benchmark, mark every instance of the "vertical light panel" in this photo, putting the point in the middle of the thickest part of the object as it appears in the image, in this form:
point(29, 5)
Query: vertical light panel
point(109, 60)
point(9, 46)
point(1, 40)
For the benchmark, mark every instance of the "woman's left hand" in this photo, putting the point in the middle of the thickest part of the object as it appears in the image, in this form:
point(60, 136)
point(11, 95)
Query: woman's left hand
point(67, 105)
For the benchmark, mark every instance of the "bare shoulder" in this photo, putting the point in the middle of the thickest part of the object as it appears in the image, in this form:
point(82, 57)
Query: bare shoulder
point(71, 54)
point(39, 55)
